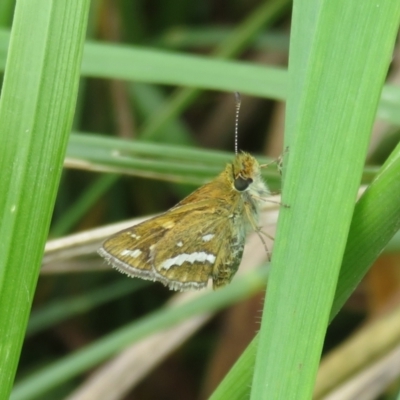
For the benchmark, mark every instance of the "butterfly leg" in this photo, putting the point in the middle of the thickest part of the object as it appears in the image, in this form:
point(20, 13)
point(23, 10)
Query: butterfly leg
point(258, 231)
point(278, 161)
point(271, 201)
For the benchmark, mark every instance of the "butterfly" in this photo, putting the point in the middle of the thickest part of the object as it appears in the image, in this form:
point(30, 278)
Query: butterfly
point(202, 237)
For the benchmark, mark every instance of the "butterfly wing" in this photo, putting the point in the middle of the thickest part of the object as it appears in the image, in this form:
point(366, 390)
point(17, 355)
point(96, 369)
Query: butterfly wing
point(204, 245)
point(182, 248)
point(129, 251)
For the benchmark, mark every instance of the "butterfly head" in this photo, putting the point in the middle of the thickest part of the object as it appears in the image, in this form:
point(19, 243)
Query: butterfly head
point(247, 176)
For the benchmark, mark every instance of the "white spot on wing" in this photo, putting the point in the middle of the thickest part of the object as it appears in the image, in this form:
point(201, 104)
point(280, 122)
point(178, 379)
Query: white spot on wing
point(207, 238)
point(132, 253)
point(180, 244)
point(200, 256)
point(134, 236)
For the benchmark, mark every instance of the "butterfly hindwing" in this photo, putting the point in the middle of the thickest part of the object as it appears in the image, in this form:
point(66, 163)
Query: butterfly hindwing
point(188, 253)
point(181, 249)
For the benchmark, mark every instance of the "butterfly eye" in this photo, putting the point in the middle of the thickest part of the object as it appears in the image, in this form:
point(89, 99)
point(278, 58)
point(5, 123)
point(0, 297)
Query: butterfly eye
point(242, 183)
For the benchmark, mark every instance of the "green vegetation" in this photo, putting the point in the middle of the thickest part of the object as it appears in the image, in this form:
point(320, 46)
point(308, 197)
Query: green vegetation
point(147, 129)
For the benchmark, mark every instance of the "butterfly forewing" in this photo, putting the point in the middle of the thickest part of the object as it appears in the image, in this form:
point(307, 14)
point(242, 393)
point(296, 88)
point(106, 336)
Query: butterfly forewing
point(128, 252)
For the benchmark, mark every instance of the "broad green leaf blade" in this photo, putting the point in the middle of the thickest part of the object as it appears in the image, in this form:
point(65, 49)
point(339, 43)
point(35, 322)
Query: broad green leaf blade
point(375, 221)
point(334, 101)
point(36, 110)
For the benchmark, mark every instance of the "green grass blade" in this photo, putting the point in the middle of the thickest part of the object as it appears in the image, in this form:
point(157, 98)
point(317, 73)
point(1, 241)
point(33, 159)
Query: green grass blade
point(36, 110)
point(376, 220)
point(329, 120)
point(265, 15)
point(199, 37)
point(193, 71)
point(6, 12)
point(160, 161)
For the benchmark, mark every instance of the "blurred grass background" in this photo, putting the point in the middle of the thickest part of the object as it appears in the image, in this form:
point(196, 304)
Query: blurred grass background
point(92, 309)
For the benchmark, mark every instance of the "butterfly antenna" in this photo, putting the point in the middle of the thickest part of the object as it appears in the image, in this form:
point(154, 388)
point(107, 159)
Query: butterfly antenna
point(237, 106)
